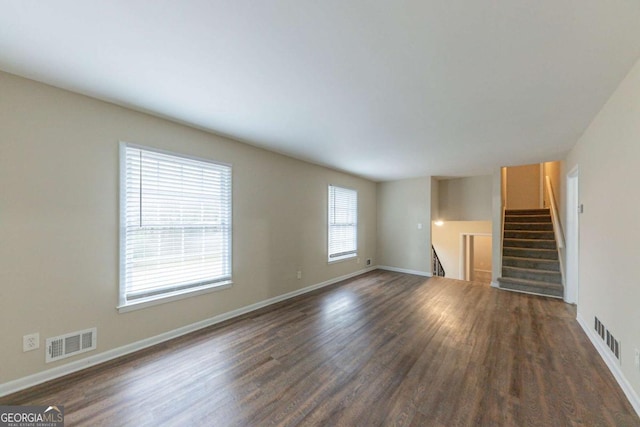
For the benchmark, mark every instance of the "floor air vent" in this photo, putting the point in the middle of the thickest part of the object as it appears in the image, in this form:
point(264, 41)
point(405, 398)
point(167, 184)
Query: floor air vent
point(607, 337)
point(599, 327)
point(614, 345)
point(71, 344)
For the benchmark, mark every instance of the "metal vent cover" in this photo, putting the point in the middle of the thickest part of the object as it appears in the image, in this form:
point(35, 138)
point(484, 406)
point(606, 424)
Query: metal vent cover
point(607, 337)
point(70, 344)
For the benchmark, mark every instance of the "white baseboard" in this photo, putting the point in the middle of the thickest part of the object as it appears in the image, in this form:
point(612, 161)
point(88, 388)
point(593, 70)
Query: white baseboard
point(69, 368)
point(404, 270)
point(611, 362)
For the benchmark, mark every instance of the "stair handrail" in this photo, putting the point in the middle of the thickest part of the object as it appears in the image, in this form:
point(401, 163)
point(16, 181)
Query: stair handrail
point(555, 217)
point(438, 269)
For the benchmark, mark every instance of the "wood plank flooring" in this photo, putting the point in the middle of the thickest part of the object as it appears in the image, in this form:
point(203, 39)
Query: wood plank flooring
point(382, 349)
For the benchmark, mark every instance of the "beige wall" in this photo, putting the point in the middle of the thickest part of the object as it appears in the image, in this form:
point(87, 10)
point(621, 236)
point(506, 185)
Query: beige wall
point(402, 205)
point(553, 170)
point(523, 187)
point(465, 199)
point(446, 241)
point(608, 155)
point(435, 198)
point(482, 252)
point(59, 222)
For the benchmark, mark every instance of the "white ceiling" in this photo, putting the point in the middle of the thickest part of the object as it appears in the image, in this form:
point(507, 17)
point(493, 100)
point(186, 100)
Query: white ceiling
point(379, 88)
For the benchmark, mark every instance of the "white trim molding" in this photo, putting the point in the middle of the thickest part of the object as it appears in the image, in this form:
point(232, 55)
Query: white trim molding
point(69, 368)
point(611, 363)
point(405, 270)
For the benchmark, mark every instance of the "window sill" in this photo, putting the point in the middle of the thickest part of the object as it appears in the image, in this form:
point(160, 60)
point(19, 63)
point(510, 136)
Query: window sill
point(174, 296)
point(338, 260)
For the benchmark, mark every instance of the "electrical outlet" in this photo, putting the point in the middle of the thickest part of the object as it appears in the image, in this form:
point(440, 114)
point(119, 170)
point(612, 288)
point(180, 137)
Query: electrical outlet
point(30, 342)
point(299, 274)
point(636, 359)
point(368, 261)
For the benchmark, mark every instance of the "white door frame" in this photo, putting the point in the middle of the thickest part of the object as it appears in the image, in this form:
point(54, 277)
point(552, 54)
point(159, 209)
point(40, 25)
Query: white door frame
point(572, 250)
point(466, 246)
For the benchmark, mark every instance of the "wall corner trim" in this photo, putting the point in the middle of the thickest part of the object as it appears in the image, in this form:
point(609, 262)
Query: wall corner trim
point(613, 366)
point(495, 285)
point(77, 365)
point(404, 270)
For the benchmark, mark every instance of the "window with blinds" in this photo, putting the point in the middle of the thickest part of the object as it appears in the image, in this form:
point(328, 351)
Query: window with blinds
point(343, 223)
point(175, 225)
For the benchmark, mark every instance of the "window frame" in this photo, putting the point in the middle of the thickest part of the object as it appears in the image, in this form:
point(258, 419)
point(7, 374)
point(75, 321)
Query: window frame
point(177, 292)
point(331, 258)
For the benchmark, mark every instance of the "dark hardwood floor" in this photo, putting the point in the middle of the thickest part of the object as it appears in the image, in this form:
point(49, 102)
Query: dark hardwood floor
point(382, 349)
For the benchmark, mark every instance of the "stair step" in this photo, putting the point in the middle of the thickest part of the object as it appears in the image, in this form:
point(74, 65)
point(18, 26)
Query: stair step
point(527, 212)
point(550, 254)
point(527, 218)
point(529, 243)
point(532, 274)
point(529, 234)
point(537, 226)
point(549, 289)
point(531, 263)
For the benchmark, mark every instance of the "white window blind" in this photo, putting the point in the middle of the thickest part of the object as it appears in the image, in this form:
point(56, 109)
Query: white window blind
point(175, 225)
point(343, 223)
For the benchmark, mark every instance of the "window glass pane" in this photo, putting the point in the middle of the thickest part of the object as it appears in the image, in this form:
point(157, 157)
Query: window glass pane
point(343, 223)
point(177, 219)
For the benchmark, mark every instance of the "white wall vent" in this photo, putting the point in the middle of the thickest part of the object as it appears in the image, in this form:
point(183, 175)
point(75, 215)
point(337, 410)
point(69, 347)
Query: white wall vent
point(71, 344)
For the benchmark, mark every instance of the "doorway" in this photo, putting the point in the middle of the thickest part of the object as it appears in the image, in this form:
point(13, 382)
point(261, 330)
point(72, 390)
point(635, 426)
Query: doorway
point(475, 259)
point(573, 238)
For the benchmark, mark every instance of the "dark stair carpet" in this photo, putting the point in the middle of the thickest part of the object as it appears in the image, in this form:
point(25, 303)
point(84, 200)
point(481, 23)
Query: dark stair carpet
point(529, 256)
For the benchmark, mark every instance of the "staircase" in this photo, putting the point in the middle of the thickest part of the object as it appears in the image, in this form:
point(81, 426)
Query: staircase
point(529, 254)
point(436, 266)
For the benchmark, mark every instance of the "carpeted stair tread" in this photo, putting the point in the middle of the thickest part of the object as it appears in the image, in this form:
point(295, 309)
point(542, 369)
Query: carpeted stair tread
point(531, 226)
point(529, 234)
point(532, 263)
point(533, 286)
point(527, 218)
point(530, 282)
point(533, 273)
point(548, 254)
point(527, 212)
point(529, 243)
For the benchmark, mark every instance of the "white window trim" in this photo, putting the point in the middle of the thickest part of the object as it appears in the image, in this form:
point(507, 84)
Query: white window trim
point(350, 255)
point(165, 298)
point(125, 306)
